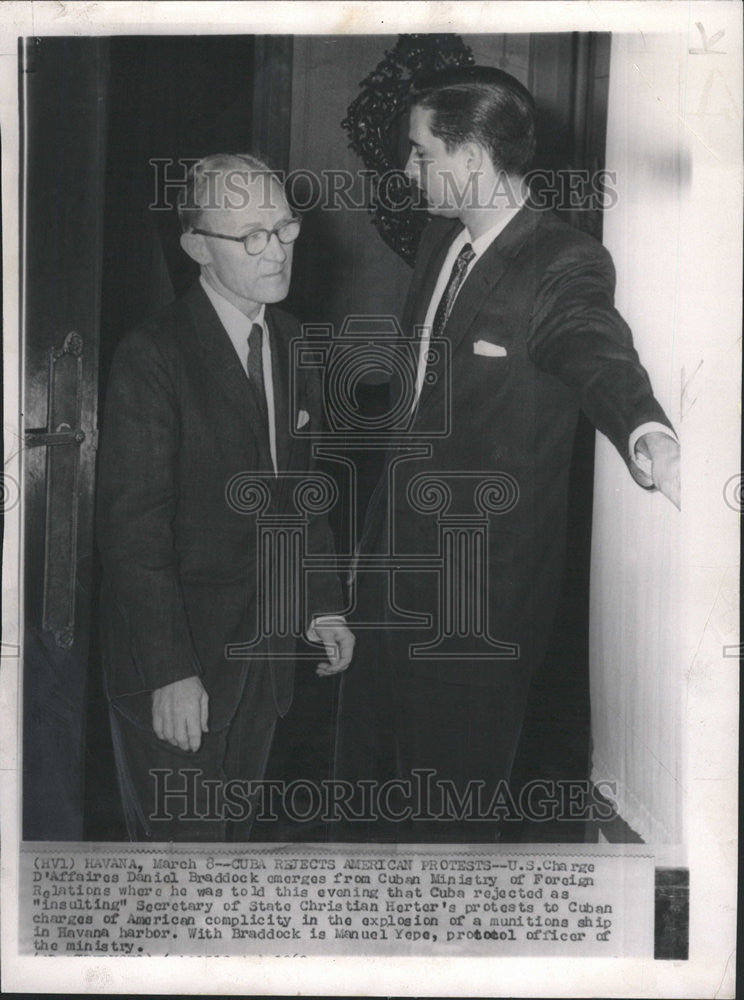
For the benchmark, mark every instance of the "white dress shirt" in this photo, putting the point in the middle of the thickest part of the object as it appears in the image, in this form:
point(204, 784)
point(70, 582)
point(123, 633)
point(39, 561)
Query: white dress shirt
point(238, 328)
point(480, 245)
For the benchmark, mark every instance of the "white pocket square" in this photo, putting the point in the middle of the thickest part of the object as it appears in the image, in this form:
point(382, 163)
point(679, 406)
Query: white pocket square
point(302, 418)
point(489, 350)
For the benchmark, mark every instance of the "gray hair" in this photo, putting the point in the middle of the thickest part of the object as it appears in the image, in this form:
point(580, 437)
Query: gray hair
point(197, 192)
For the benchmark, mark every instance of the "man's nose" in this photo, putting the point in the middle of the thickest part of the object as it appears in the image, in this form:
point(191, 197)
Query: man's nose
point(409, 169)
point(275, 249)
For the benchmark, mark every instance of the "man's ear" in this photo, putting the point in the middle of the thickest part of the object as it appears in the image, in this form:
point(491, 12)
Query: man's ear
point(473, 155)
point(195, 246)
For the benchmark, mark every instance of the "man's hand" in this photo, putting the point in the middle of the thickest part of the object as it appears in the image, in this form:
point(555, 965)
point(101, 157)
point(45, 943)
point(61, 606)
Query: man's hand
point(339, 646)
point(179, 713)
point(663, 453)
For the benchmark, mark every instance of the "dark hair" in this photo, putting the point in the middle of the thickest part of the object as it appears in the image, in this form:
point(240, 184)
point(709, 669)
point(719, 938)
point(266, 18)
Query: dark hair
point(196, 191)
point(480, 104)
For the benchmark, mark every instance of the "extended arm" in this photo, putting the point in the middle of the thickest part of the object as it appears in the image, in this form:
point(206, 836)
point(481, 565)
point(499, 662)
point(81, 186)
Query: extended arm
point(578, 335)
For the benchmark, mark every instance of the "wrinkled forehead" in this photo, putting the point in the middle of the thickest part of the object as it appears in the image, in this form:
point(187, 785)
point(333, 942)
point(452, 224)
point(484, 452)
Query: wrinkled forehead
point(238, 198)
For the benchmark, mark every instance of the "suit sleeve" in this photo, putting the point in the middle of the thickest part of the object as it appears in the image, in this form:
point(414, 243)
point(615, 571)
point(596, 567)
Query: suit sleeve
point(577, 334)
point(136, 508)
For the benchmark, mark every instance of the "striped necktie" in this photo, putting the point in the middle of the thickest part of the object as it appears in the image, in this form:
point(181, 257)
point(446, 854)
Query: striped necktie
point(456, 278)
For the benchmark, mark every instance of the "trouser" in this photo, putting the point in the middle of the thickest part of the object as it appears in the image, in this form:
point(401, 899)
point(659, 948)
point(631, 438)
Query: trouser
point(449, 746)
point(465, 738)
point(203, 795)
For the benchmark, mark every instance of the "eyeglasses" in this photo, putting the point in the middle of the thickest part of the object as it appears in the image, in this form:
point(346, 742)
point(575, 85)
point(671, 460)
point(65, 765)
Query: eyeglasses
point(257, 241)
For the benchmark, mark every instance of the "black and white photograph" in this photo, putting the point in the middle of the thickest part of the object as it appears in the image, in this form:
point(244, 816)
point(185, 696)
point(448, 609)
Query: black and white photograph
point(371, 497)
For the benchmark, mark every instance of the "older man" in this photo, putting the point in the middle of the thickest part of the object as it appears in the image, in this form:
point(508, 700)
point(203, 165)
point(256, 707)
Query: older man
point(198, 396)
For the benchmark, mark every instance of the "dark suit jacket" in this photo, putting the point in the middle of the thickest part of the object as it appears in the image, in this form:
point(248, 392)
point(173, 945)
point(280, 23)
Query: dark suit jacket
point(179, 563)
point(543, 292)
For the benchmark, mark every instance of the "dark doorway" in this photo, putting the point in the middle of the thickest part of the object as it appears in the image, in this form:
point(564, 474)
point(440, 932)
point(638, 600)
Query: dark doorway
point(97, 259)
point(110, 121)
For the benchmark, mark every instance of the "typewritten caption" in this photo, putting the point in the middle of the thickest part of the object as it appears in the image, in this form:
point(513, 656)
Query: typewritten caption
point(292, 900)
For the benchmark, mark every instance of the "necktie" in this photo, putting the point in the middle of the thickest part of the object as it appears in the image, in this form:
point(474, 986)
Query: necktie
point(456, 278)
point(444, 308)
point(255, 369)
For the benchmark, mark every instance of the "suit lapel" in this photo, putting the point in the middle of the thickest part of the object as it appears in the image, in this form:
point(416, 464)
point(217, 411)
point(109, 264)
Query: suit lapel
point(480, 283)
point(440, 234)
point(223, 365)
point(426, 273)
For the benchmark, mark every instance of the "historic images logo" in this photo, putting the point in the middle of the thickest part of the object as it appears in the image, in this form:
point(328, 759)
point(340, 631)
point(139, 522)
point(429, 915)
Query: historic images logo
point(460, 506)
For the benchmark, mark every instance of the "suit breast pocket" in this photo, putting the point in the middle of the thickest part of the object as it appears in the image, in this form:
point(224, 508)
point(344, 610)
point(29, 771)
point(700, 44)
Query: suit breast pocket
point(492, 360)
point(491, 369)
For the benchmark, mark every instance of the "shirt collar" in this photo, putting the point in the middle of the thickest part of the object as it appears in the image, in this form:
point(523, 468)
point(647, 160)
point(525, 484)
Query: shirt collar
point(234, 321)
point(484, 241)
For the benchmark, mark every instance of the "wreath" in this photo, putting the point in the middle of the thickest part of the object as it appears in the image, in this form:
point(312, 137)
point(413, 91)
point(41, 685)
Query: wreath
point(373, 123)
